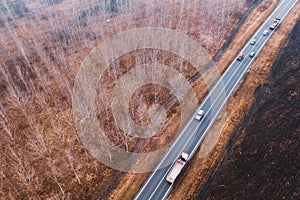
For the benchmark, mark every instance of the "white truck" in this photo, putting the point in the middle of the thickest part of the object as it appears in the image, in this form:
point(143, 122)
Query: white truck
point(177, 167)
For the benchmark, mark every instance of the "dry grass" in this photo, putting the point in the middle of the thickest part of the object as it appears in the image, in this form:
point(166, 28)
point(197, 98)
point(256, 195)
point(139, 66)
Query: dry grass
point(64, 169)
point(240, 102)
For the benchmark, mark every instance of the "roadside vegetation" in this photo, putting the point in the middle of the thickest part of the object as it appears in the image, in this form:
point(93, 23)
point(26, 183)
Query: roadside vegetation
point(261, 158)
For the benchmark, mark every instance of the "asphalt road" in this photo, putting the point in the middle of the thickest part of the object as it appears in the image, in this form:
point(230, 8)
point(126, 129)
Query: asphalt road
point(156, 187)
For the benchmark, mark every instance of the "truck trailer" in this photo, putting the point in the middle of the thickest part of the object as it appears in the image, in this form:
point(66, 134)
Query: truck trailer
point(177, 167)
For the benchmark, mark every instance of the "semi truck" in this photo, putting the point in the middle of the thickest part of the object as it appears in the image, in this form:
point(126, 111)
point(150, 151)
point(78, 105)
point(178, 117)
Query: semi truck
point(177, 167)
point(275, 23)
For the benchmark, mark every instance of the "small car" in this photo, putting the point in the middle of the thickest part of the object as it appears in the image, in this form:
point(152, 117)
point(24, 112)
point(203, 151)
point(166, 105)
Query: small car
point(240, 57)
point(253, 41)
point(252, 54)
point(265, 32)
point(199, 115)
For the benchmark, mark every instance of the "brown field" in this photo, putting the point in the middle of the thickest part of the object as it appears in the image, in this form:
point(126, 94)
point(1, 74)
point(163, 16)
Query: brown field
point(42, 46)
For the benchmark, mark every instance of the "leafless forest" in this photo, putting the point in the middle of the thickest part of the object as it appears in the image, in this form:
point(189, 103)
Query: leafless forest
point(42, 45)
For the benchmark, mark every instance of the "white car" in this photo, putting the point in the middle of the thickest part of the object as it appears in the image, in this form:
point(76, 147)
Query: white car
point(253, 41)
point(265, 32)
point(252, 54)
point(199, 115)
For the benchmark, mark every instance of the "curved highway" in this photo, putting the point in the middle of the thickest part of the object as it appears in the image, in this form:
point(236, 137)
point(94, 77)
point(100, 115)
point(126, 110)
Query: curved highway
point(156, 187)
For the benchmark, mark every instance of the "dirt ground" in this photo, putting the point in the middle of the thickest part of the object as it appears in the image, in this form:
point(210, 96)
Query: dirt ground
point(261, 159)
point(238, 105)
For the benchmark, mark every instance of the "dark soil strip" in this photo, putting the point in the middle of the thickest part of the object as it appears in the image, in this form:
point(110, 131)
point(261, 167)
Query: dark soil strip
point(111, 184)
point(261, 158)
